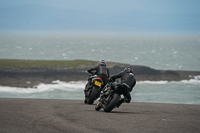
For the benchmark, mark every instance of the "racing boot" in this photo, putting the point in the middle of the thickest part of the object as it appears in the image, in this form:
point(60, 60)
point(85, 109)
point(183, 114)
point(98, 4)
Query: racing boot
point(98, 106)
point(86, 100)
point(120, 102)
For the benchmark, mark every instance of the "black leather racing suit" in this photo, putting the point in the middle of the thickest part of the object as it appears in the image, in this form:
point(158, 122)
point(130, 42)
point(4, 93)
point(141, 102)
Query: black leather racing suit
point(102, 71)
point(129, 79)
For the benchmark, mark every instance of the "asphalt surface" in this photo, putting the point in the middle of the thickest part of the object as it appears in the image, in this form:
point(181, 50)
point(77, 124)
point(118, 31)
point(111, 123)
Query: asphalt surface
point(69, 116)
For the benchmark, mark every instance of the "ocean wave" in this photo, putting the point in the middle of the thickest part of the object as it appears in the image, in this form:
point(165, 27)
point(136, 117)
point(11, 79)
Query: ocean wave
point(56, 85)
point(152, 82)
point(194, 80)
point(80, 85)
point(191, 81)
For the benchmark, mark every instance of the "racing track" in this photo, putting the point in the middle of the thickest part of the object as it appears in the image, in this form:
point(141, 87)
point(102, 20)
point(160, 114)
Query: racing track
point(59, 116)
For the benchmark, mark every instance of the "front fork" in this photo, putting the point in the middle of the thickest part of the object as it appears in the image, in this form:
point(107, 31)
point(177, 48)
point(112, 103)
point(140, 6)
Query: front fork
point(104, 98)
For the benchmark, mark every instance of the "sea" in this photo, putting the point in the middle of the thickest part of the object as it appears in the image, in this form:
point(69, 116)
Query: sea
point(163, 52)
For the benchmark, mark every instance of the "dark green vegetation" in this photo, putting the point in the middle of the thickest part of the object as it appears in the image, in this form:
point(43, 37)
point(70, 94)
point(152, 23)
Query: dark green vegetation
point(28, 73)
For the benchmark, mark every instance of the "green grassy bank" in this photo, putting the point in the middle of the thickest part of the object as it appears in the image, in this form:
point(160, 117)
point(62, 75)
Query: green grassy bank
point(43, 63)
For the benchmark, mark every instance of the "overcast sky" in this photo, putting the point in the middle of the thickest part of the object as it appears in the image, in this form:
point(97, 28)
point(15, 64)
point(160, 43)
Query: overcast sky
point(112, 6)
point(116, 6)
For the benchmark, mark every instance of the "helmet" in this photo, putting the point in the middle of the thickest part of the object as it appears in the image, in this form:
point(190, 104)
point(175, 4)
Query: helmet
point(102, 63)
point(128, 69)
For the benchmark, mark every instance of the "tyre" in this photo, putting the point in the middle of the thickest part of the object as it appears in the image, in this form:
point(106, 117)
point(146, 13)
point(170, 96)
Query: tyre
point(93, 95)
point(109, 107)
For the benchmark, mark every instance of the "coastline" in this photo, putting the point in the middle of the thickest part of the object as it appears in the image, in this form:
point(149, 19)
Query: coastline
point(60, 115)
point(23, 76)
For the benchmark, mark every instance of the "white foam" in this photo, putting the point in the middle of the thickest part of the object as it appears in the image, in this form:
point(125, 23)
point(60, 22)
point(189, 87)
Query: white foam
point(152, 82)
point(80, 85)
point(193, 80)
point(56, 85)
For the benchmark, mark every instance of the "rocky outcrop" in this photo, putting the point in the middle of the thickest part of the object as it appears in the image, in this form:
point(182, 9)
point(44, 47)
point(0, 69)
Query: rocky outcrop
point(29, 77)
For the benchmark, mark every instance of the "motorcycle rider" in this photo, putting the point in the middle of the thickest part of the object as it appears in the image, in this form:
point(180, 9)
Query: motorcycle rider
point(127, 78)
point(102, 71)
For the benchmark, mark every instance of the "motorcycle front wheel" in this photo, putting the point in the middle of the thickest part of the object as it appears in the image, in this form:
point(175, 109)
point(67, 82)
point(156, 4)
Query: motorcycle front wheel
point(113, 102)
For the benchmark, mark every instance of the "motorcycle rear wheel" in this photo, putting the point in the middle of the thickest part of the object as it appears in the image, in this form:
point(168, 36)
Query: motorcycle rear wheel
point(109, 107)
point(93, 95)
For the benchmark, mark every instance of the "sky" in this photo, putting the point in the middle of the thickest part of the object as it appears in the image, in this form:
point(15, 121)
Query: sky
point(112, 15)
point(114, 6)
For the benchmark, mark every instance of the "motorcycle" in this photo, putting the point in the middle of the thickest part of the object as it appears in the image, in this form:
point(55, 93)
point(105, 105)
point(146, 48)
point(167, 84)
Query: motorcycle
point(109, 98)
point(92, 89)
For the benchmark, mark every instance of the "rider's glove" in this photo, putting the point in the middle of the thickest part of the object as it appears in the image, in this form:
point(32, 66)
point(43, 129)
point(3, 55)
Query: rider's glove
point(110, 79)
